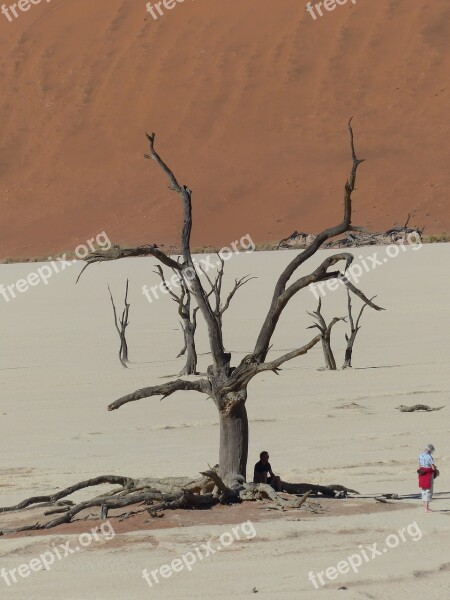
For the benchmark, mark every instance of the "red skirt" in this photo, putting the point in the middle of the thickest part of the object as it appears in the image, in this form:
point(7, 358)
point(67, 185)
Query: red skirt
point(426, 480)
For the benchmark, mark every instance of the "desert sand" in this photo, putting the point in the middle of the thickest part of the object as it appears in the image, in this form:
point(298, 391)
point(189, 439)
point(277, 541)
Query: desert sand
point(59, 370)
point(250, 102)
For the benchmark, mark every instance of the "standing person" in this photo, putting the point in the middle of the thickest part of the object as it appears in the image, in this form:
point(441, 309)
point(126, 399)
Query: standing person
point(427, 472)
point(263, 472)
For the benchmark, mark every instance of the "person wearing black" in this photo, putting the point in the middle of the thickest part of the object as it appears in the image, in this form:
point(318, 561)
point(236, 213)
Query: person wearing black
point(263, 473)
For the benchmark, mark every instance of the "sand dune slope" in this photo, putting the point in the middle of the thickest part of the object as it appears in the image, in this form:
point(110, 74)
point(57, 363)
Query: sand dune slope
point(250, 102)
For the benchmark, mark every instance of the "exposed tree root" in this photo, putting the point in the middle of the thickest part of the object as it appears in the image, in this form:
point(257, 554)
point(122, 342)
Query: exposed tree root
point(166, 494)
point(123, 481)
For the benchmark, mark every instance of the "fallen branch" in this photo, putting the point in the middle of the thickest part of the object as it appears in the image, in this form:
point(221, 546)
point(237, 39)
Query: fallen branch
point(329, 491)
point(423, 407)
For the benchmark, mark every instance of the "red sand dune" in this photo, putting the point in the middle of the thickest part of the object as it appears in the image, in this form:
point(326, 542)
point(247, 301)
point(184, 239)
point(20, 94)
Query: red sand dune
point(249, 101)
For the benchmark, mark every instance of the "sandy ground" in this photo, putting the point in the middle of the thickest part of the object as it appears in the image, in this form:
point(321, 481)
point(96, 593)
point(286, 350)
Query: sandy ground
point(59, 370)
point(250, 102)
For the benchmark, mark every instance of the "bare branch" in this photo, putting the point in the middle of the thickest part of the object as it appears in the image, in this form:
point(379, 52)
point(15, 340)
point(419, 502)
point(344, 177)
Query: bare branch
point(160, 272)
point(275, 364)
point(218, 353)
point(361, 312)
point(166, 389)
point(116, 253)
point(275, 309)
point(249, 366)
point(114, 311)
point(210, 281)
point(238, 283)
point(360, 294)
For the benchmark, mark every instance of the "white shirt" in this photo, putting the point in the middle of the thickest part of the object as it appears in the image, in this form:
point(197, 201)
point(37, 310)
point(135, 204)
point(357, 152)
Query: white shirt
point(426, 460)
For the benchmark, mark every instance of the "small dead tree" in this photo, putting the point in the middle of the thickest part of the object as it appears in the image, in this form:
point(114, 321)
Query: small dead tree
point(354, 328)
point(121, 326)
point(188, 317)
point(325, 334)
point(219, 308)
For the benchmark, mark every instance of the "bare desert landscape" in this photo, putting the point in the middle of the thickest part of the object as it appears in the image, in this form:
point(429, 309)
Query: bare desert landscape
point(60, 370)
point(224, 324)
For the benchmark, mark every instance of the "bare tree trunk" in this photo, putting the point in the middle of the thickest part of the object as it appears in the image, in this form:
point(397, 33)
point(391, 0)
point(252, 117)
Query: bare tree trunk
point(354, 328)
point(190, 368)
point(124, 349)
point(349, 350)
point(328, 353)
point(121, 326)
point(325, 332)
point(233, 441)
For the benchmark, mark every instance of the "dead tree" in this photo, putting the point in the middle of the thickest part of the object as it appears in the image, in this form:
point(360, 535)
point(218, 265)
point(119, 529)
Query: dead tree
point(219, 308)
point(354, 328)
point(188, 317)
point(325, 335)
point(121, 326)
point(224, 383)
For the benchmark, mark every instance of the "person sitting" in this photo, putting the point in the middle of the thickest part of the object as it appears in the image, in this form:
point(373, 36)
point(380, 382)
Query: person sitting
point(263, 473)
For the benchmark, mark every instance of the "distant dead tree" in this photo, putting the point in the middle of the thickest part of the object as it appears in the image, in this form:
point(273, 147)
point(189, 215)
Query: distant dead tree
point(219, 308)
point(121, 326)
point(354, 328)
point(188, 316)
point(325, 335)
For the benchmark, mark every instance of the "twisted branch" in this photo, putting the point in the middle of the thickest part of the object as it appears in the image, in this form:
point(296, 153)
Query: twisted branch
point(166, 389)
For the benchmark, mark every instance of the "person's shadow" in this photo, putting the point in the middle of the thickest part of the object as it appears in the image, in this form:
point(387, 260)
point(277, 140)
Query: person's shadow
point(436, 496)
